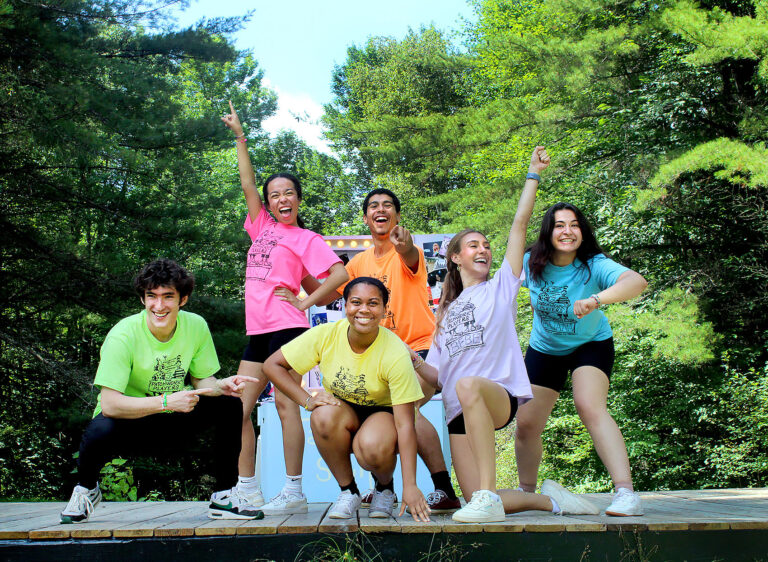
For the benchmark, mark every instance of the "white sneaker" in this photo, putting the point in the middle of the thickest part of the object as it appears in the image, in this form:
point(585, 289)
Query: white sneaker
point(346, 506)
point(367, 497)
point(254, 497)
point(570, 503)
point(231, 504)
point(286, 504)
point(382, 504)
point(625, 504)
point(81, 504)
point(484, 507)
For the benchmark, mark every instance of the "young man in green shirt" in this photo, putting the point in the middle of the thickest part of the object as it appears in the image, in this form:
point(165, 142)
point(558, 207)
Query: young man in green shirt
point(143, 406)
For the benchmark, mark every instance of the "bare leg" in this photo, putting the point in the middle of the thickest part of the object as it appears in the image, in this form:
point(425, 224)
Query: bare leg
point(467, 473)
point(293, 430)
point(332, 429)
point(590, 394)
point(246, 465)
point(485, 406)
point(375, 446)
point(530, 421)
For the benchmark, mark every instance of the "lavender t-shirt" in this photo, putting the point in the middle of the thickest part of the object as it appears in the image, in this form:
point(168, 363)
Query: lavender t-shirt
point(477, 338)
point(280, 255)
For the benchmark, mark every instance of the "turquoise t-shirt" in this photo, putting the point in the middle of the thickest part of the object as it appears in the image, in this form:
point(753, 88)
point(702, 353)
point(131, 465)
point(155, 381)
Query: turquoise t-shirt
point(556, 330)
point(136, 363)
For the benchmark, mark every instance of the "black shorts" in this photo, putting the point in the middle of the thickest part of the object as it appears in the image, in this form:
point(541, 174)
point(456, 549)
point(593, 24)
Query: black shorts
point(261, 346)
point(364, 412)
point(456, 425)
point(551, 371)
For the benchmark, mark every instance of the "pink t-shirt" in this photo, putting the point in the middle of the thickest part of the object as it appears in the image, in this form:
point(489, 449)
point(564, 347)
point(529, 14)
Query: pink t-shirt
point(477, 338)
point(280, 255)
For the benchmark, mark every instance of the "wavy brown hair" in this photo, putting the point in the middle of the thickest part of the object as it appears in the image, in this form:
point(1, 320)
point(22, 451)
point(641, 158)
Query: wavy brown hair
point(542, 250)
point(452, 286)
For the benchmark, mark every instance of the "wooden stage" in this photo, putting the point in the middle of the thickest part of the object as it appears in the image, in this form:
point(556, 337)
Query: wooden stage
point(737, 519)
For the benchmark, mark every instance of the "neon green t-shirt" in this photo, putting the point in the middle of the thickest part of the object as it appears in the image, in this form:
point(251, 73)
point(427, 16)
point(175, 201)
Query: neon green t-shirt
point(380, 376)
point(136, 363)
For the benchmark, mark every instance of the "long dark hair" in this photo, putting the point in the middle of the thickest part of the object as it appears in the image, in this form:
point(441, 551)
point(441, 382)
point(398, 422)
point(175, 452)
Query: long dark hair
point(296, 184)
point(542, 250)
point(452, 286)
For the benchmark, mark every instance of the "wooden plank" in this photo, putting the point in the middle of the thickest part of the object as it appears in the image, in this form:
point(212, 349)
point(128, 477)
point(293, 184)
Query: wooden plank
point(143, 523)
point(183, 523)
point(20, 528)
point(305, 522)
point(267, 526)
point(434, 525)
point(105, 517)
point(15, 511)
point(329, 525)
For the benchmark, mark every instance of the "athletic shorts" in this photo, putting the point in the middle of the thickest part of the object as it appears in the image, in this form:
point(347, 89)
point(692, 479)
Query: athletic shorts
point(261, 346)
point(551, 371)
point(364, 412)
point(456, 425)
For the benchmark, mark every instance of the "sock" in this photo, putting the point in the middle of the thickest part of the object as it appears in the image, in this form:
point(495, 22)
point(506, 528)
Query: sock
point(442, 481)
point(352, 487)
point(381, 487)
point(292, 485)
point(247, 483)
point(555, 507)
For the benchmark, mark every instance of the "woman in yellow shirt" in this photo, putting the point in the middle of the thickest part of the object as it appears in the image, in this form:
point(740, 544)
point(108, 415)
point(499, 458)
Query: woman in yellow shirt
point(368, 403)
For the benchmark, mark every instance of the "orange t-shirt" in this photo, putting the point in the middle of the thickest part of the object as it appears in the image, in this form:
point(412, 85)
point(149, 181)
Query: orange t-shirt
point(408, 314)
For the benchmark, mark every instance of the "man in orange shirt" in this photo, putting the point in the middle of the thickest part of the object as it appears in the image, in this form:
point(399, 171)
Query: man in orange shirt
point(400, 265)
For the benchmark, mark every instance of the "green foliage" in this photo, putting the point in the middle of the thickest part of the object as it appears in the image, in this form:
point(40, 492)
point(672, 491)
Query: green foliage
point(116, 481)
point(29, 463)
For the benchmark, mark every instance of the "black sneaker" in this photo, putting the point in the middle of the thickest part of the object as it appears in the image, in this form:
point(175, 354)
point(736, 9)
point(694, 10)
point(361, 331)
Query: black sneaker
point(230, 504)
point(81, 504)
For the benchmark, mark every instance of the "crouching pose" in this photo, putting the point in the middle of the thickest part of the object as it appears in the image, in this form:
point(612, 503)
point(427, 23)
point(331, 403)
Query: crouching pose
point(143, 407)
point(476, 359)
point(368, 403)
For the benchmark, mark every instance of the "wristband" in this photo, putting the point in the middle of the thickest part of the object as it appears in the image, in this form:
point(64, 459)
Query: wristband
point(306, 404)
point(165, 402)
point(240, 139)
point(533, 176)
point(418, 363)
point(597, 299)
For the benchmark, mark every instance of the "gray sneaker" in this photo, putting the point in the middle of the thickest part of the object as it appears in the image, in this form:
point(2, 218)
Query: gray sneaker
point(570, 503)
point(382, 504)
point(231, 504)
point(346, 506)
point(286, 504)
point(81, 504)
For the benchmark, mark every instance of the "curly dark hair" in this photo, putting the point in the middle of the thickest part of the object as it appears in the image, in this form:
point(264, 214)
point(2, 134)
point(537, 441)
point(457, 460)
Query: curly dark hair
point(164, 273)
point(296, 184)
point(367, 281)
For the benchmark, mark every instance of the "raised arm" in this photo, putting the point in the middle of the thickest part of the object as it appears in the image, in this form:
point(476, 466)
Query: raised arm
point(247, 177)
point(516, 241)
point(403, 242)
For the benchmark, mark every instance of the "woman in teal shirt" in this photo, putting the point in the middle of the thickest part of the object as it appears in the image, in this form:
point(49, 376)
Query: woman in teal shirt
point(569, 277)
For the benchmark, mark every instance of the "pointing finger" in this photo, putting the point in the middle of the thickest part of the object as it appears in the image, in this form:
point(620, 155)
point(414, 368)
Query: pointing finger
point(231, 107)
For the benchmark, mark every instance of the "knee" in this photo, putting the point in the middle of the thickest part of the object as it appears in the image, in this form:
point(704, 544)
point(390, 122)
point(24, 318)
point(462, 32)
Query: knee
point(325, 422)
point(527, 428)
point(467, 391)
point(99, 430)
point(589, 412)
point(285, 406)
point(375, 450)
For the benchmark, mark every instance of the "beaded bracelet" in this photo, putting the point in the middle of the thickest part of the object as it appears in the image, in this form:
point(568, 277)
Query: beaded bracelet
point(418, 363)
point(306, 404)
point(597, 299)
point(165, 402)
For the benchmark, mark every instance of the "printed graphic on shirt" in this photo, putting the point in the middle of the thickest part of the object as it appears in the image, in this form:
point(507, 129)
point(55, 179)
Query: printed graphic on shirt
point(389, 318)
point(461, 330)
point(350, 388)
point(553, 307)
point(258, 264)
point(168, 375)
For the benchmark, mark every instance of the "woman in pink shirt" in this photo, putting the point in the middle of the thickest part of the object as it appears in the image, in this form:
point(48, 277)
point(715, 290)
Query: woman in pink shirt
point(282, 253)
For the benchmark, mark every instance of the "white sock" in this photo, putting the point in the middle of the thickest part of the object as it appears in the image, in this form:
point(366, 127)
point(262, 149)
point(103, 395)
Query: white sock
point(247, 482)
point(292, 485)
point(555, 507)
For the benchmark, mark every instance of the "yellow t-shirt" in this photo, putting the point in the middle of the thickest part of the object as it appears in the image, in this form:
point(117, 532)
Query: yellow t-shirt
point(408, 314)
point(380, 376)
